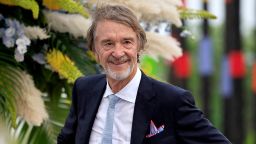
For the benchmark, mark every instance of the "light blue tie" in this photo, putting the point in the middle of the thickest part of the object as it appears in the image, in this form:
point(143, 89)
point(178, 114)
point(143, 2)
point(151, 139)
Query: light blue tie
point(107, 133)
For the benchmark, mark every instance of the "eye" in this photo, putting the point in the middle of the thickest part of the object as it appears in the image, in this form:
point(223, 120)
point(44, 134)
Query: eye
point(108, 44)
point(127, 43)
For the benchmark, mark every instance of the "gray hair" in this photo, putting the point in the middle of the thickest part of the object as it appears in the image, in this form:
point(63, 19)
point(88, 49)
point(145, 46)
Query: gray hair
point(119, 14)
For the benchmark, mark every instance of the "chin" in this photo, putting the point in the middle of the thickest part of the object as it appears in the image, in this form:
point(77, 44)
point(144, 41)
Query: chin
point(119, 75)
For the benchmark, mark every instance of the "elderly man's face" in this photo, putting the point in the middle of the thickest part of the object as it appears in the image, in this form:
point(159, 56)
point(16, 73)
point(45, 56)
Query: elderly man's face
point(116, 49)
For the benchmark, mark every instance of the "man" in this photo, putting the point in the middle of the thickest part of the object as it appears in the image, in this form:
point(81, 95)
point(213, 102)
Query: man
point(145, 111)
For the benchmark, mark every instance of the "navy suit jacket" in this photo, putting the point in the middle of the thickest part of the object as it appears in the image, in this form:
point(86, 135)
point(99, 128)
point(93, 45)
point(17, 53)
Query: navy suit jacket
point(162, 103)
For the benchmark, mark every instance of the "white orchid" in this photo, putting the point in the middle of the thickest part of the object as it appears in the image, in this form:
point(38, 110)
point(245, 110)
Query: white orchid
point(23, 41)
point(8, 42)
point(18, 56)
point(13, 34)
point(22, 49)
point(10, 32)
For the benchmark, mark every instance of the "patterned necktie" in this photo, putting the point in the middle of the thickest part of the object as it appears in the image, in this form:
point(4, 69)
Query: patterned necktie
point(107, 133)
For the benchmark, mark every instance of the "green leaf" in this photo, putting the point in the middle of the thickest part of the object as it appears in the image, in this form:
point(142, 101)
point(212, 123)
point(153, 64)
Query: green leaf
point(8, 91)
point(186, 13)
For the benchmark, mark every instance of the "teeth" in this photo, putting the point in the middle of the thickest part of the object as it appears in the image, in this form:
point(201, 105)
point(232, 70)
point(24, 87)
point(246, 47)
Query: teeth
point(117, 63)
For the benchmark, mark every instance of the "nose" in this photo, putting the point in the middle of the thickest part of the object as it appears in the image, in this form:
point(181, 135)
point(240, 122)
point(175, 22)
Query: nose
point(118, 51)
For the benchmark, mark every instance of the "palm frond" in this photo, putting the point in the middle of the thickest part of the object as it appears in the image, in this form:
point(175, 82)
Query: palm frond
point(83, 60)
point(5, 138)
point(186, 13)
point(21, 96)
point(23, 132)
point(29, 134)
point(7, 58)
point(8, 92)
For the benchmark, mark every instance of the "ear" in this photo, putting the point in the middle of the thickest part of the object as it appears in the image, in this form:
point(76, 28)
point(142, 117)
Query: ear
point(138, 58)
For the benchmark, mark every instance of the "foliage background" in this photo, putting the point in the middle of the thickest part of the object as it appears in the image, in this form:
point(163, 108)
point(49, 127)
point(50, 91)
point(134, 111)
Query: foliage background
point(64, 53)
point(62, 59)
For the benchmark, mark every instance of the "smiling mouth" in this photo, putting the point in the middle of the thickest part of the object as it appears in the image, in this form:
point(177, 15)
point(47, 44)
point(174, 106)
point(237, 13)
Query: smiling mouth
point(119, 62)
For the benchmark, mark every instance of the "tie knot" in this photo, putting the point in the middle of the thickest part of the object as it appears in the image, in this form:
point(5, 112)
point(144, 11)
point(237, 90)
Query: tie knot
point(113, 99)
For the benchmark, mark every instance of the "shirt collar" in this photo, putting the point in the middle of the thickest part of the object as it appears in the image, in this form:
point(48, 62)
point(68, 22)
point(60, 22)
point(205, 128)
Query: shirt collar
point(129, 92)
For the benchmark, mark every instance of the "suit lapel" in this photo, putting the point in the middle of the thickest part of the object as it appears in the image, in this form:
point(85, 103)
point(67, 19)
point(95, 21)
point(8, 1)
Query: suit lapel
point(92, 106)
point(144, 106)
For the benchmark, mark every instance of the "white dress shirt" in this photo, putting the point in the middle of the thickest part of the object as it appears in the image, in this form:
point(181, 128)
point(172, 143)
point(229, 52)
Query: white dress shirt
point(123, 117)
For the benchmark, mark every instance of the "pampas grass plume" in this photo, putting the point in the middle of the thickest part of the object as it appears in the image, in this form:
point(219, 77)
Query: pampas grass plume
point(164, 46)
point(150, 10)
point(74, 24)
point(30, 105)
point(35, 33)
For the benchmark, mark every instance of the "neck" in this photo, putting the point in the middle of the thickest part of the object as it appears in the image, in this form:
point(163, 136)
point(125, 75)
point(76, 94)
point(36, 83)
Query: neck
point(117, 85)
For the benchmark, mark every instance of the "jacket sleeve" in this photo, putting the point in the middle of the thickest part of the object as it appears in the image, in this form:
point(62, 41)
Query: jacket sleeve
point(68, 132)
point(191, 125)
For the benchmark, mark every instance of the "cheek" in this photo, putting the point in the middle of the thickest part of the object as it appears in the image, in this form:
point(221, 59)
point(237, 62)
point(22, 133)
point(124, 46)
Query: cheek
point(134, 55)
point(102, 58)
point(96, 57)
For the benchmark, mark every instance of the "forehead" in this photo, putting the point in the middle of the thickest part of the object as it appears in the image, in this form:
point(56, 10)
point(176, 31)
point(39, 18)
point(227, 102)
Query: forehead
point(111, 29)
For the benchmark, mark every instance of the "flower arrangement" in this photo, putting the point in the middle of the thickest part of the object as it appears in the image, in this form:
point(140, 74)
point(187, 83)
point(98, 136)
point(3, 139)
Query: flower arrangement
point(43, 50)
point(13, 36)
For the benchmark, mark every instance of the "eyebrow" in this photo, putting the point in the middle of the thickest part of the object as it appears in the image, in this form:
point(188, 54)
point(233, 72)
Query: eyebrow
point(109, 40)
point(106, 40)
point(129, 38)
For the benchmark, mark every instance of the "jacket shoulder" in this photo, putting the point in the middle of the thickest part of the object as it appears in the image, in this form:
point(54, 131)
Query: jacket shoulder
point(171, 93)
point(168, 88)
point(86, 82)
point(91, 78)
